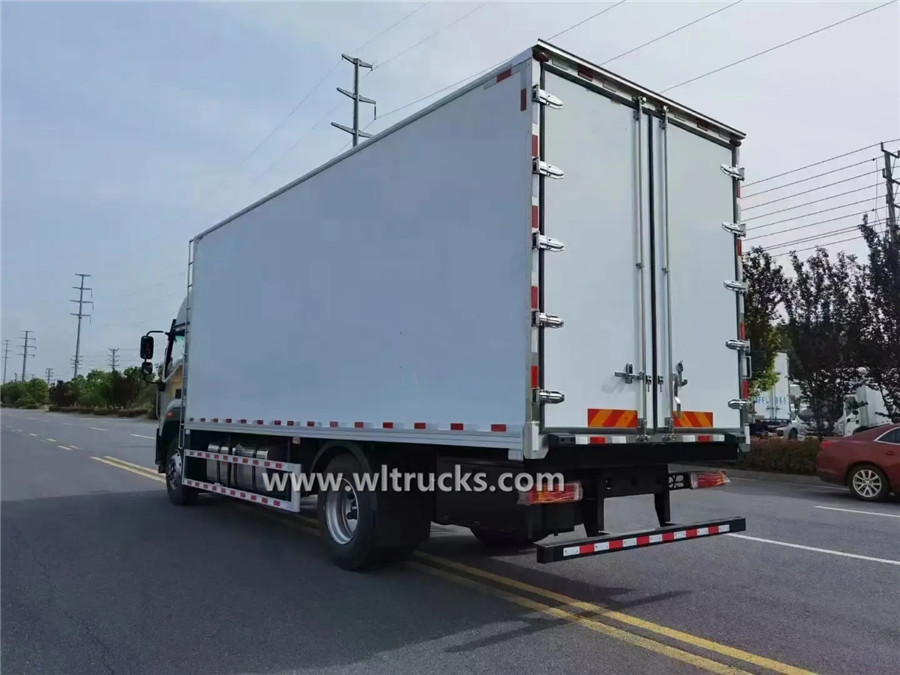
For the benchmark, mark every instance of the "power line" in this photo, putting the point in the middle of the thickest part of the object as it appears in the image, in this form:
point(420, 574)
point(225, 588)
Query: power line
point(671, 32)
point(820, 187)
point(334, 109)
point(814, 201)
point(432, 35)
point(804, 215)
point(778, 46)
point(801, 227)
point(389, 28)
point(810, 248)
point(814, 237)
point(590, 18)
point(803, 180)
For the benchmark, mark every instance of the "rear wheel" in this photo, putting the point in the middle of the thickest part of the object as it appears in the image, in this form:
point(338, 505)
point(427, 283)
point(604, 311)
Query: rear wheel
point(793, 434)
point(868, 483)
point(347, 517)
point(179, 494)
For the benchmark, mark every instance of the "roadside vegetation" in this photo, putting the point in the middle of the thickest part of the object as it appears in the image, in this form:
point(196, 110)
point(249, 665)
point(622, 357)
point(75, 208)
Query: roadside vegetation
point(100, 392)
point(838, 319)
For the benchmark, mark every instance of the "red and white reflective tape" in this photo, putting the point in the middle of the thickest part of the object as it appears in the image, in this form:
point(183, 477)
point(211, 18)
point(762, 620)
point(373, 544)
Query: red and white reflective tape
point(701, 438)
point(243, 461)
point(581, 439)
point(600, 440)
point(358, 425)
point(643, 540)
point(252, 497)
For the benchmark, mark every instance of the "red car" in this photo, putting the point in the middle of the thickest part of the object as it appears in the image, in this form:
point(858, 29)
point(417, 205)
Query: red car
point(867, 462)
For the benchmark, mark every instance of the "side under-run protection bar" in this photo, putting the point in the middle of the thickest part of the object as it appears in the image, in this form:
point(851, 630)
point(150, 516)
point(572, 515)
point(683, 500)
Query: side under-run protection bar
point(609, 543)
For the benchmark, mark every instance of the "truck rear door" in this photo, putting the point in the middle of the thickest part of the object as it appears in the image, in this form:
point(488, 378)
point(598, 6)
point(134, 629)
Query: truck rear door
point(645, 282)
point(598, 284)
point(695, 276)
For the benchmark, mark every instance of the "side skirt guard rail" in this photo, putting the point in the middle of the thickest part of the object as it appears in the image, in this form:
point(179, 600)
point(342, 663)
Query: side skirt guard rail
point(609, 543)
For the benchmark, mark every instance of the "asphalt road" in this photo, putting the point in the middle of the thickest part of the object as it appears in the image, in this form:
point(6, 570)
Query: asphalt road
point(100, 573)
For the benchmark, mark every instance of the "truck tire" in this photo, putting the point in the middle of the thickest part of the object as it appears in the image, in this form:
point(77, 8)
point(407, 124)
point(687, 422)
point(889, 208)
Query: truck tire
point(505, 538)
point(793, 434)
point(178, 493)
point(347, 518)
point(868, 483)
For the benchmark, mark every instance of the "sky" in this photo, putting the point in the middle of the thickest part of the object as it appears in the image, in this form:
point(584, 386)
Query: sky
point(126, 128)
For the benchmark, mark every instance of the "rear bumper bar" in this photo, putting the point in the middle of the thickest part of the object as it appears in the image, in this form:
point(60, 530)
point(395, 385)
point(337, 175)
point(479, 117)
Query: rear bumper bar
point(608, 543)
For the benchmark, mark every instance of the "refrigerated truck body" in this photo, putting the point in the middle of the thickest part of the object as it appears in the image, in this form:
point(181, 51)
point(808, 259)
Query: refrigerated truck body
point(538, 273)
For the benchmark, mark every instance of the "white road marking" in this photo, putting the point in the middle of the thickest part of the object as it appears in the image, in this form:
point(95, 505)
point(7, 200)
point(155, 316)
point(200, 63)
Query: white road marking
point(98, 429)
point(142, 436)
point(866, 513)
point(51, 440)
point(63, 447)
point(73, 447)
point(816, 550)
point(35, 435)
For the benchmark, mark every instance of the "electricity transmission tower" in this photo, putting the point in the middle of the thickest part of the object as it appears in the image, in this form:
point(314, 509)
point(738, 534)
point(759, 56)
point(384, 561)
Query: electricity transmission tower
point(80, 314)
point(25, 347)
point(112, 358)
point(355, 96)
point(5, 358)
point(49, 372)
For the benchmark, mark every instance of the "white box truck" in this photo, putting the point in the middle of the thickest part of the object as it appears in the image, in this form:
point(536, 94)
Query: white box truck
point(537, 275)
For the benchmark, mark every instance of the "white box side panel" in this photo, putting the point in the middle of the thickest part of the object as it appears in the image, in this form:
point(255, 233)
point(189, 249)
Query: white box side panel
point(391, 287)
point(594, 284)
point(701, 258)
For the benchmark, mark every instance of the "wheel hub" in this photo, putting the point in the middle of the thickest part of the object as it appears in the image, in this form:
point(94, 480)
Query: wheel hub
point(173, 471)
point(342, 513)
point(867, 483)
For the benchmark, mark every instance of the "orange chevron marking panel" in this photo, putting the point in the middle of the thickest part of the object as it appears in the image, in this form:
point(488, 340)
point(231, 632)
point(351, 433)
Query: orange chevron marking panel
point(693, 419)
point(607, 418)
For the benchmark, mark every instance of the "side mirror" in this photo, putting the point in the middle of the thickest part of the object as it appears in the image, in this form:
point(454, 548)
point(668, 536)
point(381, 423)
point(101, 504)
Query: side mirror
point(147, 348)
point(147, 367)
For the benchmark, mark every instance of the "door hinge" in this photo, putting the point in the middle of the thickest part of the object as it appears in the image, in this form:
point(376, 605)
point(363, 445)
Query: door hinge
point(542, 320)
point(736, 286)
point(735, 228)
point(545, 169)
point(538, 95)
point(733, 171)
point(545, 243)
point(546, 396)
point(739, 345)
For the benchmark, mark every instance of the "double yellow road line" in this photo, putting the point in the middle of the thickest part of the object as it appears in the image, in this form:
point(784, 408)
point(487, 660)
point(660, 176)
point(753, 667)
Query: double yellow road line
point(706, 654)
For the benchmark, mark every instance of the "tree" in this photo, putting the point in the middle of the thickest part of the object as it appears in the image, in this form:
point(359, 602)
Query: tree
point(879, 313)
point(766, 286)
point(824, 333)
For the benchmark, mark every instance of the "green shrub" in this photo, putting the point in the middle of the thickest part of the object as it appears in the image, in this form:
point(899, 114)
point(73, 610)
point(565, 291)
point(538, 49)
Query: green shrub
point(781, 456)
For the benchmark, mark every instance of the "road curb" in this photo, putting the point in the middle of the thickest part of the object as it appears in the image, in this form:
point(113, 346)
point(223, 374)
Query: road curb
point(756, 475)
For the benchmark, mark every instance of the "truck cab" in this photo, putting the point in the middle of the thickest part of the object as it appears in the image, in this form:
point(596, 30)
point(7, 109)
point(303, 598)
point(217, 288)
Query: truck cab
point(169, 388)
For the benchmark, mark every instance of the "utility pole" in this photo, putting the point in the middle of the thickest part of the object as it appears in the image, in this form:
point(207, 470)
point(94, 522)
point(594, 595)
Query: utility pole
point(25, 347)
point(80, 314)
point(49, 372)
point(355, 96)
point(112, 358)
point(889, 182)
point(5, 358)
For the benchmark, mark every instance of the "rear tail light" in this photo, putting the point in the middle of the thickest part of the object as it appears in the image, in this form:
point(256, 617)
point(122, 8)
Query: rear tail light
point(708, 479)
point(570, 492)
